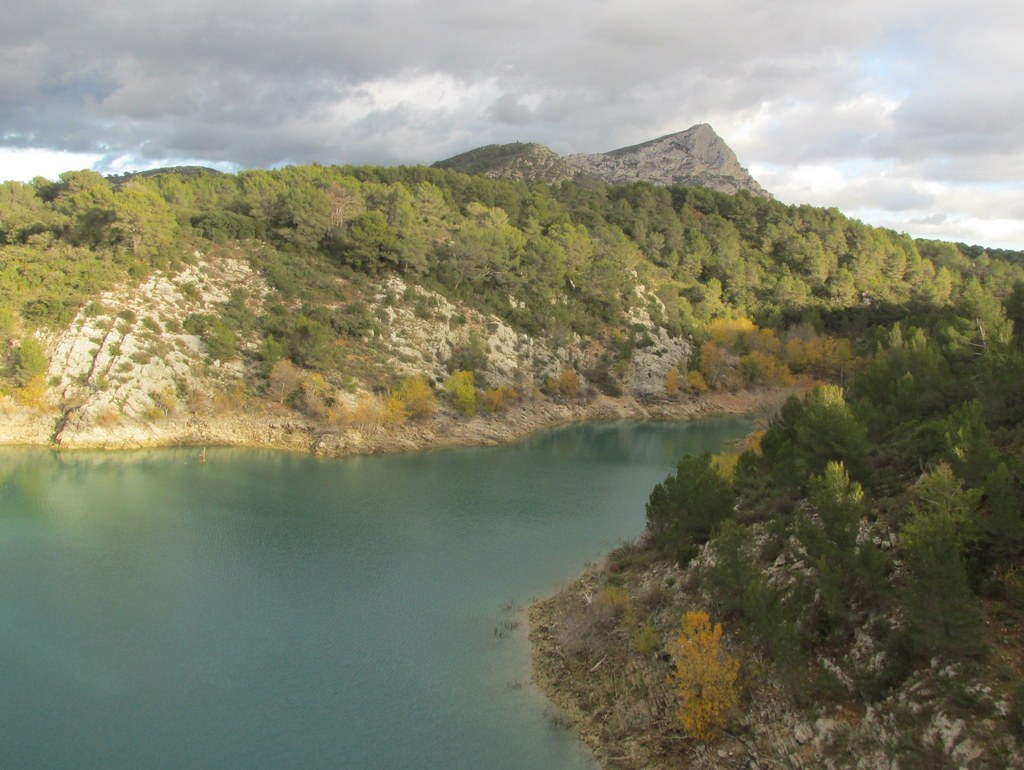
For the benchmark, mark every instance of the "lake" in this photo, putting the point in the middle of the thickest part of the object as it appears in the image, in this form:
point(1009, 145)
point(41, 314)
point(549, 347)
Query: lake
point(274, 610)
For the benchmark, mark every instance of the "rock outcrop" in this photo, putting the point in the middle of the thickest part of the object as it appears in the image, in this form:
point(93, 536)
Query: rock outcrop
point(696, 157)
point(125, 361)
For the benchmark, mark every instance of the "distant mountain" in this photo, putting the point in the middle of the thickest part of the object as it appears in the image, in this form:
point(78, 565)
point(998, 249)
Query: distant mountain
point(527, 161)
point(185, 171)
point(697, 157)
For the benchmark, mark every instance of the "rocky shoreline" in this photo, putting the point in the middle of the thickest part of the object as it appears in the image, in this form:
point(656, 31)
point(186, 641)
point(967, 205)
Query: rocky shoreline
point(290, 431)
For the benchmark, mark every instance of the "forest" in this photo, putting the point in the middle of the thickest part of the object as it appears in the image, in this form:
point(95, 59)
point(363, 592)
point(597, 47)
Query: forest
point(553, 261)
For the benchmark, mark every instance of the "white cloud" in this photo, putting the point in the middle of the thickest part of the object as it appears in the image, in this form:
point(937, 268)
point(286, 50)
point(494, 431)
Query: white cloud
point(24, 165)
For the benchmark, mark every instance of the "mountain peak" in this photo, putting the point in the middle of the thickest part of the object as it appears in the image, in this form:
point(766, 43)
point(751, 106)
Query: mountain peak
point(696, 157)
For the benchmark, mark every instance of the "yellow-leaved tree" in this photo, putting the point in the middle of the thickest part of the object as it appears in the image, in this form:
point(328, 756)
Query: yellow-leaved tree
point(417, 397)
point(705, 678)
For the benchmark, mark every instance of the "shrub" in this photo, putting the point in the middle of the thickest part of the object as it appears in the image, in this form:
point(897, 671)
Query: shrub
point(672, 382)
point(166, 400)
point(498, 399)
point(30, 361)
point(285, 377)
point(221, 341)
point(460, 389)
point(8, 324)
point(416, 397)
point(366, 415)
point(470, 357)
point(314, 395)
point(33, 393)
point(565, 385)
point(645, 640)
point(393, 410)
point(695, 382)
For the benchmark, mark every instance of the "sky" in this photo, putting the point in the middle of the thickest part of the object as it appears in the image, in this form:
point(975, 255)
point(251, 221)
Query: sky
point(902, 113)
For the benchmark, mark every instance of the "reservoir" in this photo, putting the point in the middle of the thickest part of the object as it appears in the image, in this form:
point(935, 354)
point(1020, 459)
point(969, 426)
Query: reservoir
point(271, 610)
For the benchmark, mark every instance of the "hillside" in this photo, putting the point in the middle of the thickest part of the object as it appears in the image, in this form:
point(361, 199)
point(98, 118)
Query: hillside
point(863, 553)
point(842, 591)
point(527, 162)
point(147, 310)
point(697, 157)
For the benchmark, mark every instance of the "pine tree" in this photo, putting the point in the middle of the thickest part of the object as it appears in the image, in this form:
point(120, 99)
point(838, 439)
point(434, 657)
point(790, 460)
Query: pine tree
point(942, 618)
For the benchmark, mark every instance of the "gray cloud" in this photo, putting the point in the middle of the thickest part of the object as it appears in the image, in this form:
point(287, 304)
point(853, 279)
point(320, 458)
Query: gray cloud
point(934, 88)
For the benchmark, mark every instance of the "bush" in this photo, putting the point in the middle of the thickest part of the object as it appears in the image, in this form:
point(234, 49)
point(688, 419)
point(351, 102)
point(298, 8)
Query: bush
point(565, 385)
point(29, 361)
point(672, 382)
point(470, 357)
point(33, 393)
point(8, 324)
point(221, 341)
point(695, 382)
point(416, 397)
point(497, 399)
point(283, 380)
point(314, 395)
point(460, 390)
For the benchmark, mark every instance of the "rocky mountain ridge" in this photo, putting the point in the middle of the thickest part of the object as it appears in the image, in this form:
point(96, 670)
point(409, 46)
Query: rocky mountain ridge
point(696, 157)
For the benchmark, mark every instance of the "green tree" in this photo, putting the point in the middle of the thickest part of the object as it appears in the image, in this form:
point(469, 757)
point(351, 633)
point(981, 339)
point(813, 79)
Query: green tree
point(312, 345)
point(970, 449)
point(143, 221)
point(847, 569)
point(684, 510)
point(807, 435)
point(942, 617)
point(301, 217)
point(23, 213)
point(369, 245)
point(1002, 525)
point(485, 249)
point(221, 340)
point(87, 199)
point(29, 361)
point(470, 356)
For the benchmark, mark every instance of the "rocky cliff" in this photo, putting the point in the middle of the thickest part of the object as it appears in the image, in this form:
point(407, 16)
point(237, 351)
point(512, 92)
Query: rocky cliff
point(697, 157)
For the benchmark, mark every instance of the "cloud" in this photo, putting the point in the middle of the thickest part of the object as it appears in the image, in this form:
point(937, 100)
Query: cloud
point(930, 90)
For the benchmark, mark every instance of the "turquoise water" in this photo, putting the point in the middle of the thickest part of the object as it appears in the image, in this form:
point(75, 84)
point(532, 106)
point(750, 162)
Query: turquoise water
point(283, 611)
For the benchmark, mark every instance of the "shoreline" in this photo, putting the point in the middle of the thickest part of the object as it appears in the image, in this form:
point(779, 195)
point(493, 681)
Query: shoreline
point(288, 431)
point(548, 673)
point(587, 699)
